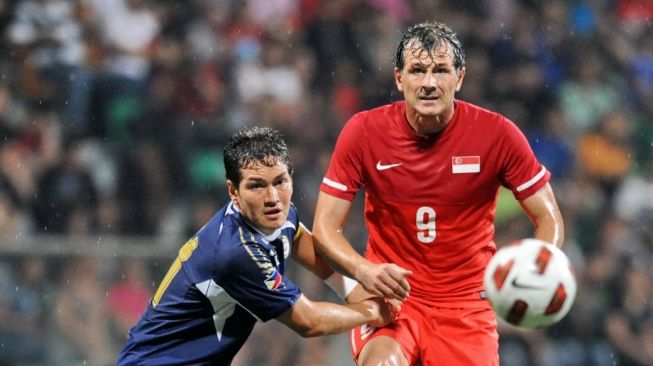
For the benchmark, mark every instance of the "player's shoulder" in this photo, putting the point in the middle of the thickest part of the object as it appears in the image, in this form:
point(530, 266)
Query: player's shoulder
point(396, 107)
point(293, 213)
point(469, 109)
point(223, 231)
point(375, 118)
point(473, 113)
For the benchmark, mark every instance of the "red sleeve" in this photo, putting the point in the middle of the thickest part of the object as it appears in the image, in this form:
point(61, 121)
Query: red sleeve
point(522, 172)
point(344, 177)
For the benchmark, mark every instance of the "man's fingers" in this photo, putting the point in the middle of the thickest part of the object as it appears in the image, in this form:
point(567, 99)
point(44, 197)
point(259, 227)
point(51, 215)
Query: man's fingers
point(386, 285)
point(387, 280)
point(395, 289)
point(398, 275)
point(394, 305)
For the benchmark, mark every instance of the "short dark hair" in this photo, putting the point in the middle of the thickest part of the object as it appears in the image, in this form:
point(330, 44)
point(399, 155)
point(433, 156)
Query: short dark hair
point(254, 145)
point(429, 36)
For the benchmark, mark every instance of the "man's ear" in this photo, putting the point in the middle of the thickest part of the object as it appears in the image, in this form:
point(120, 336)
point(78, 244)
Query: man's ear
point(232, 190)
point(461, 76)
point(398, 81)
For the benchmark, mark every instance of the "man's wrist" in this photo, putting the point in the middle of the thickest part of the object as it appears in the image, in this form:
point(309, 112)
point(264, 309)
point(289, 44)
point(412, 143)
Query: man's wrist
point(342, 285)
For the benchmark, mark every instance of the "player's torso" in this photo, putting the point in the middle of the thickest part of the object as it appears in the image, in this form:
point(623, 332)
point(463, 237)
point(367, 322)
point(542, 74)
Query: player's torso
point(430, 200)
point(191, 303)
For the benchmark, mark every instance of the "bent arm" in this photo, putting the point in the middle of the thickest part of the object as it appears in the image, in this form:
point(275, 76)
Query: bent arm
point(305, 254)
point(543, 211)
point(312, 318)
point(331, 214)
point(384, 279)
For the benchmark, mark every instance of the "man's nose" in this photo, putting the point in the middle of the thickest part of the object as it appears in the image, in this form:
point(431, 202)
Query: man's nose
point(272, 194)
point(430, 81)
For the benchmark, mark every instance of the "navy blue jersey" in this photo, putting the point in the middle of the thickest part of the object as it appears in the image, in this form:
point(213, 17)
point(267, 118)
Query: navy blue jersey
point(224, 279)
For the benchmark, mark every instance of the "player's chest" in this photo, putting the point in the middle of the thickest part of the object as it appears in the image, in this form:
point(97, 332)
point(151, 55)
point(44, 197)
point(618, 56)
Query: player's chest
point(449, 172)
point(279, 250)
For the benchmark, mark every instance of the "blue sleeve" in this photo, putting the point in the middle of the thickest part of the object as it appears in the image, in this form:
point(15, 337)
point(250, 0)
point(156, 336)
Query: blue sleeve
point(251, 278)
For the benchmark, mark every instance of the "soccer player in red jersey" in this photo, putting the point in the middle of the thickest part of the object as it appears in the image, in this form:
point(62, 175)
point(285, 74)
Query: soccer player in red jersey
point(431, 166)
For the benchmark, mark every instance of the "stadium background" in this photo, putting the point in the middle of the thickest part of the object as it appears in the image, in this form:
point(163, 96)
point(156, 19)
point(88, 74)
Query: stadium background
point(113, 114)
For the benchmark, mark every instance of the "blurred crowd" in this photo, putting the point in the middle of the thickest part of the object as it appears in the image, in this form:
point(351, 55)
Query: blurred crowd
point(113, 114)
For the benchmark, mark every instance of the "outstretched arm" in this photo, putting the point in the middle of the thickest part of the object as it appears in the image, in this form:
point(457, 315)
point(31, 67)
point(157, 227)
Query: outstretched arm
point(544, 213)
point(312, 318)
point(385, 279)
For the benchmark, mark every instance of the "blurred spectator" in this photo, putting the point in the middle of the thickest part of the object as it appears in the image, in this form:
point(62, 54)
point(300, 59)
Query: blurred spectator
point(24, 314)
point(108, 216)
point(634, 199)
point(269, 86)
point(332, 38)
point(587, 95)
point(13, 222)
point(127, 298)
point(203, 208)
point(144, 187)
point(81, 319)
point(275, 15)
point(605, 155)
point(16, 175)
point(64, 190)
point(552, 144)
point(50, 44)
point(128, 30)
point(635, 13)
point(641, 69)
point(627, 326)
point(11, 112)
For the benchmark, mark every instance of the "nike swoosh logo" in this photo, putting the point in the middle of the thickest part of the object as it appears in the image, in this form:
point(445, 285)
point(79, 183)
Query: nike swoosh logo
point(526, 287)
point(380, 166)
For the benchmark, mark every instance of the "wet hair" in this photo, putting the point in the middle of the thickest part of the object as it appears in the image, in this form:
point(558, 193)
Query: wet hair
point(429, 37)
point(253, 145)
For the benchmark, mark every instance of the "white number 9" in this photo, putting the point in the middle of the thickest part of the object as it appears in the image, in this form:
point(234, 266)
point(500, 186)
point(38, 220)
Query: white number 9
point(425, 221)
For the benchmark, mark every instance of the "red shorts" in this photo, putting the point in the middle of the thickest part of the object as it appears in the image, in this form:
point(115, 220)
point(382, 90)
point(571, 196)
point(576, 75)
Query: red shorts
point(439, 335)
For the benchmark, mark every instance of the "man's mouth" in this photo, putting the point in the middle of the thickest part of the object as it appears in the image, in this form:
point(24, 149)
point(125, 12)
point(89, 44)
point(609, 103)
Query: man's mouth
point(428, 97)
point(272, 212)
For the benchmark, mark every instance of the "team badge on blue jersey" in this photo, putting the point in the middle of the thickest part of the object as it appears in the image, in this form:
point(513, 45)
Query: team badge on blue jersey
point(274, 280)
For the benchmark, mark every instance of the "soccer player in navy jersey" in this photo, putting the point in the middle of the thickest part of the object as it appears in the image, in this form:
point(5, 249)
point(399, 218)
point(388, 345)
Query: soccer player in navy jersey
point(232, 272)
point(431, 166)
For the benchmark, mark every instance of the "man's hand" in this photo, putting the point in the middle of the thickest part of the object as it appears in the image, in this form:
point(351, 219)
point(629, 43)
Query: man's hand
point(359, 294)
point(394, 305)
point(385, 279)
point(383, 312)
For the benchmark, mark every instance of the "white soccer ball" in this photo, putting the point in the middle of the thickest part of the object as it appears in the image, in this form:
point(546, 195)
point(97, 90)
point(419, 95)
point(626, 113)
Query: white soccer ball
point(530, 283)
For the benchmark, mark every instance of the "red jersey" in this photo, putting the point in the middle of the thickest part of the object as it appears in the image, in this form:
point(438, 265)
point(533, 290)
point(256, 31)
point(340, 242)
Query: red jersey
point(430, 200)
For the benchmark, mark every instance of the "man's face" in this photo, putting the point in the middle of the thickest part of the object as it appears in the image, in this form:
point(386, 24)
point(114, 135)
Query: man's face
point(263, 196)
point(429, 82)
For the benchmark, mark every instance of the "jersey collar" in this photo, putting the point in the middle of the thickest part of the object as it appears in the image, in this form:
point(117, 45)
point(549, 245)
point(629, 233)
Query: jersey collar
point(233, 209)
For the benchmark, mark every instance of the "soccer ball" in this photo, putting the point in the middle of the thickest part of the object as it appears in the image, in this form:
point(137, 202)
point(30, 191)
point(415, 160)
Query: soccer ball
point(530, 284)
